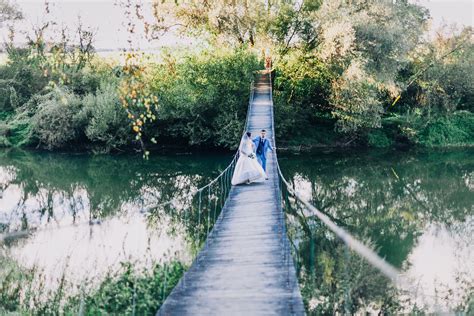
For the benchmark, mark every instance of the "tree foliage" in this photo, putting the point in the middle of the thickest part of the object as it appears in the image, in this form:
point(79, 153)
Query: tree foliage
point(237, 21)
point(203, 98)
point(344, 69)
point(9, 11)
point(370, 53)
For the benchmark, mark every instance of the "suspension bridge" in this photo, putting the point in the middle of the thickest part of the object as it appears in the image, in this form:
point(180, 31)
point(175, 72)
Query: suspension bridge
point(245, 266)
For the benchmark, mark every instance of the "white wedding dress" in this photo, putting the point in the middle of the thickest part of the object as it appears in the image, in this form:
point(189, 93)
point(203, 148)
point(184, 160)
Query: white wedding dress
point(247, 169)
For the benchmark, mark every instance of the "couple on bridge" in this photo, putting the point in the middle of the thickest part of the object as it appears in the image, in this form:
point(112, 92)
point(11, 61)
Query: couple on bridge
point(252, 163)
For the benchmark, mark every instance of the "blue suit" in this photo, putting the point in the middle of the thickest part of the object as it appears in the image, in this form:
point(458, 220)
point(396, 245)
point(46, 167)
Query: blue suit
point(262, 158)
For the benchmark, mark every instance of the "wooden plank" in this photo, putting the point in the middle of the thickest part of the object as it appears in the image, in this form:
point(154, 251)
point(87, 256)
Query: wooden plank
point(246, 266)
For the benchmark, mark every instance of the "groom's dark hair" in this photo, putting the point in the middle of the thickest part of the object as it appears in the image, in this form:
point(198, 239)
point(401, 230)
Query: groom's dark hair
point(264, 130)
point(249, 134)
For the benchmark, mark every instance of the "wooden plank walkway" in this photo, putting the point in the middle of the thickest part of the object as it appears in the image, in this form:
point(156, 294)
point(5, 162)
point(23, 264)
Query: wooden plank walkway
point(246, 268)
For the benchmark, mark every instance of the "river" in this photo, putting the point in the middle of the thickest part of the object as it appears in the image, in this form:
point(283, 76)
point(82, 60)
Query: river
point(86, 215)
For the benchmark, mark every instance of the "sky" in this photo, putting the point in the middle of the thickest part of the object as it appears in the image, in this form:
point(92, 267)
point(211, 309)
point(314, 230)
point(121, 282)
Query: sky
point(107, 19)
point(449, 11)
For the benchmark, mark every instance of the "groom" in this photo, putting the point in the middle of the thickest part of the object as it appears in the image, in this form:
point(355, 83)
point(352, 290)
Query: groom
point(263, 145)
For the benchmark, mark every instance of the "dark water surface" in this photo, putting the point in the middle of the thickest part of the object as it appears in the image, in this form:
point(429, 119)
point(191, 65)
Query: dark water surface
point(415, 208)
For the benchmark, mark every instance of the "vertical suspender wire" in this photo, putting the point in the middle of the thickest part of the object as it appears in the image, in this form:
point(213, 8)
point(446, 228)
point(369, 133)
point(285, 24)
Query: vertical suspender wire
point(198, 232)
point(225, 183)
point(208, 211)
point(221, 184)
point(215, 210)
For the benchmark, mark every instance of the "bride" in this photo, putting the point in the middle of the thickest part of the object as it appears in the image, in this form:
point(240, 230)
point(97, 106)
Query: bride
point(247, 168)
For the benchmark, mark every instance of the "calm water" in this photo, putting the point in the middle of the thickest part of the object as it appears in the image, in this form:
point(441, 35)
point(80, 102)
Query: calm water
point(86, 215)
point(416, 209)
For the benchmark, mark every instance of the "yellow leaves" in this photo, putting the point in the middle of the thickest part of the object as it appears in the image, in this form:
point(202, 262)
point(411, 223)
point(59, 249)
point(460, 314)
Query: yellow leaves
point(407, 215)
point(135, 95)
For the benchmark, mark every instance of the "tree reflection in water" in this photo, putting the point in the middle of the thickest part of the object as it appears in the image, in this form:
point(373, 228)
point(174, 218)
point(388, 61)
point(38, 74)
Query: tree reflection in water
point(403, 204)
point(86, 213)
point(42, 188)
point(398, 203)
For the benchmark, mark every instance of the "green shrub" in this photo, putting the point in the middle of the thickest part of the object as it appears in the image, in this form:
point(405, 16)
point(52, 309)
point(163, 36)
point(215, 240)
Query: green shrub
point(456, 129)
point(203, 97)
point(356, 104)
point(127, 290)
point(59, 119)
point(415, 127)
point(4, 130)
point(301, 90)
point(90, 78)
point(378, 138)
point(4, 142)
point(120, 292)
point(20, 132)
point(108, 124)
point(21, 78)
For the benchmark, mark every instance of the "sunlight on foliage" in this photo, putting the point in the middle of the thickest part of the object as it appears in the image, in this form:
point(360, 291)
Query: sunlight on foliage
point(141, 105)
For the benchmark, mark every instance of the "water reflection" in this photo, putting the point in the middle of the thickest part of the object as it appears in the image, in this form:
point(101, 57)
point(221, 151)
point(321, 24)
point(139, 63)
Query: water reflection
point(39, 188)
point(416, 210)
point(87, 253)
point(84, 214)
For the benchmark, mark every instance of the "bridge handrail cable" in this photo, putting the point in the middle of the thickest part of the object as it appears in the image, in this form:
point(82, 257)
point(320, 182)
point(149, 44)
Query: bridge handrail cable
point(145, 209)
point(364, 251)
point(234, 159)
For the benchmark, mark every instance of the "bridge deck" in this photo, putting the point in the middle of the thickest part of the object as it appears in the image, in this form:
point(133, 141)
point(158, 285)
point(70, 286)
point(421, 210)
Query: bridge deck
point(246, 269)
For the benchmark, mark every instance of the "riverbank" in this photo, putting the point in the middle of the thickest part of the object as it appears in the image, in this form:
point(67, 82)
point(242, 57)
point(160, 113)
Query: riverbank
point(198, 102)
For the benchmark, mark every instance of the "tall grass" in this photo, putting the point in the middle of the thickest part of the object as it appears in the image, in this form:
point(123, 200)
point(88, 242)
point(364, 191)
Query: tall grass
point(130, 288)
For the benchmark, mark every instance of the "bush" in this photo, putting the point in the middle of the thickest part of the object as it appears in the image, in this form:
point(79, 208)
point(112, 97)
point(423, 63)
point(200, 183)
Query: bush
point(59, 119)
point(378, 138)
point(456, 129)
point(203, 97)
point(301, 90)
point(121, 291)
point(90, 78)
point(356, 106)
point(108, 124)
point(115, 295)
point(20, 78)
